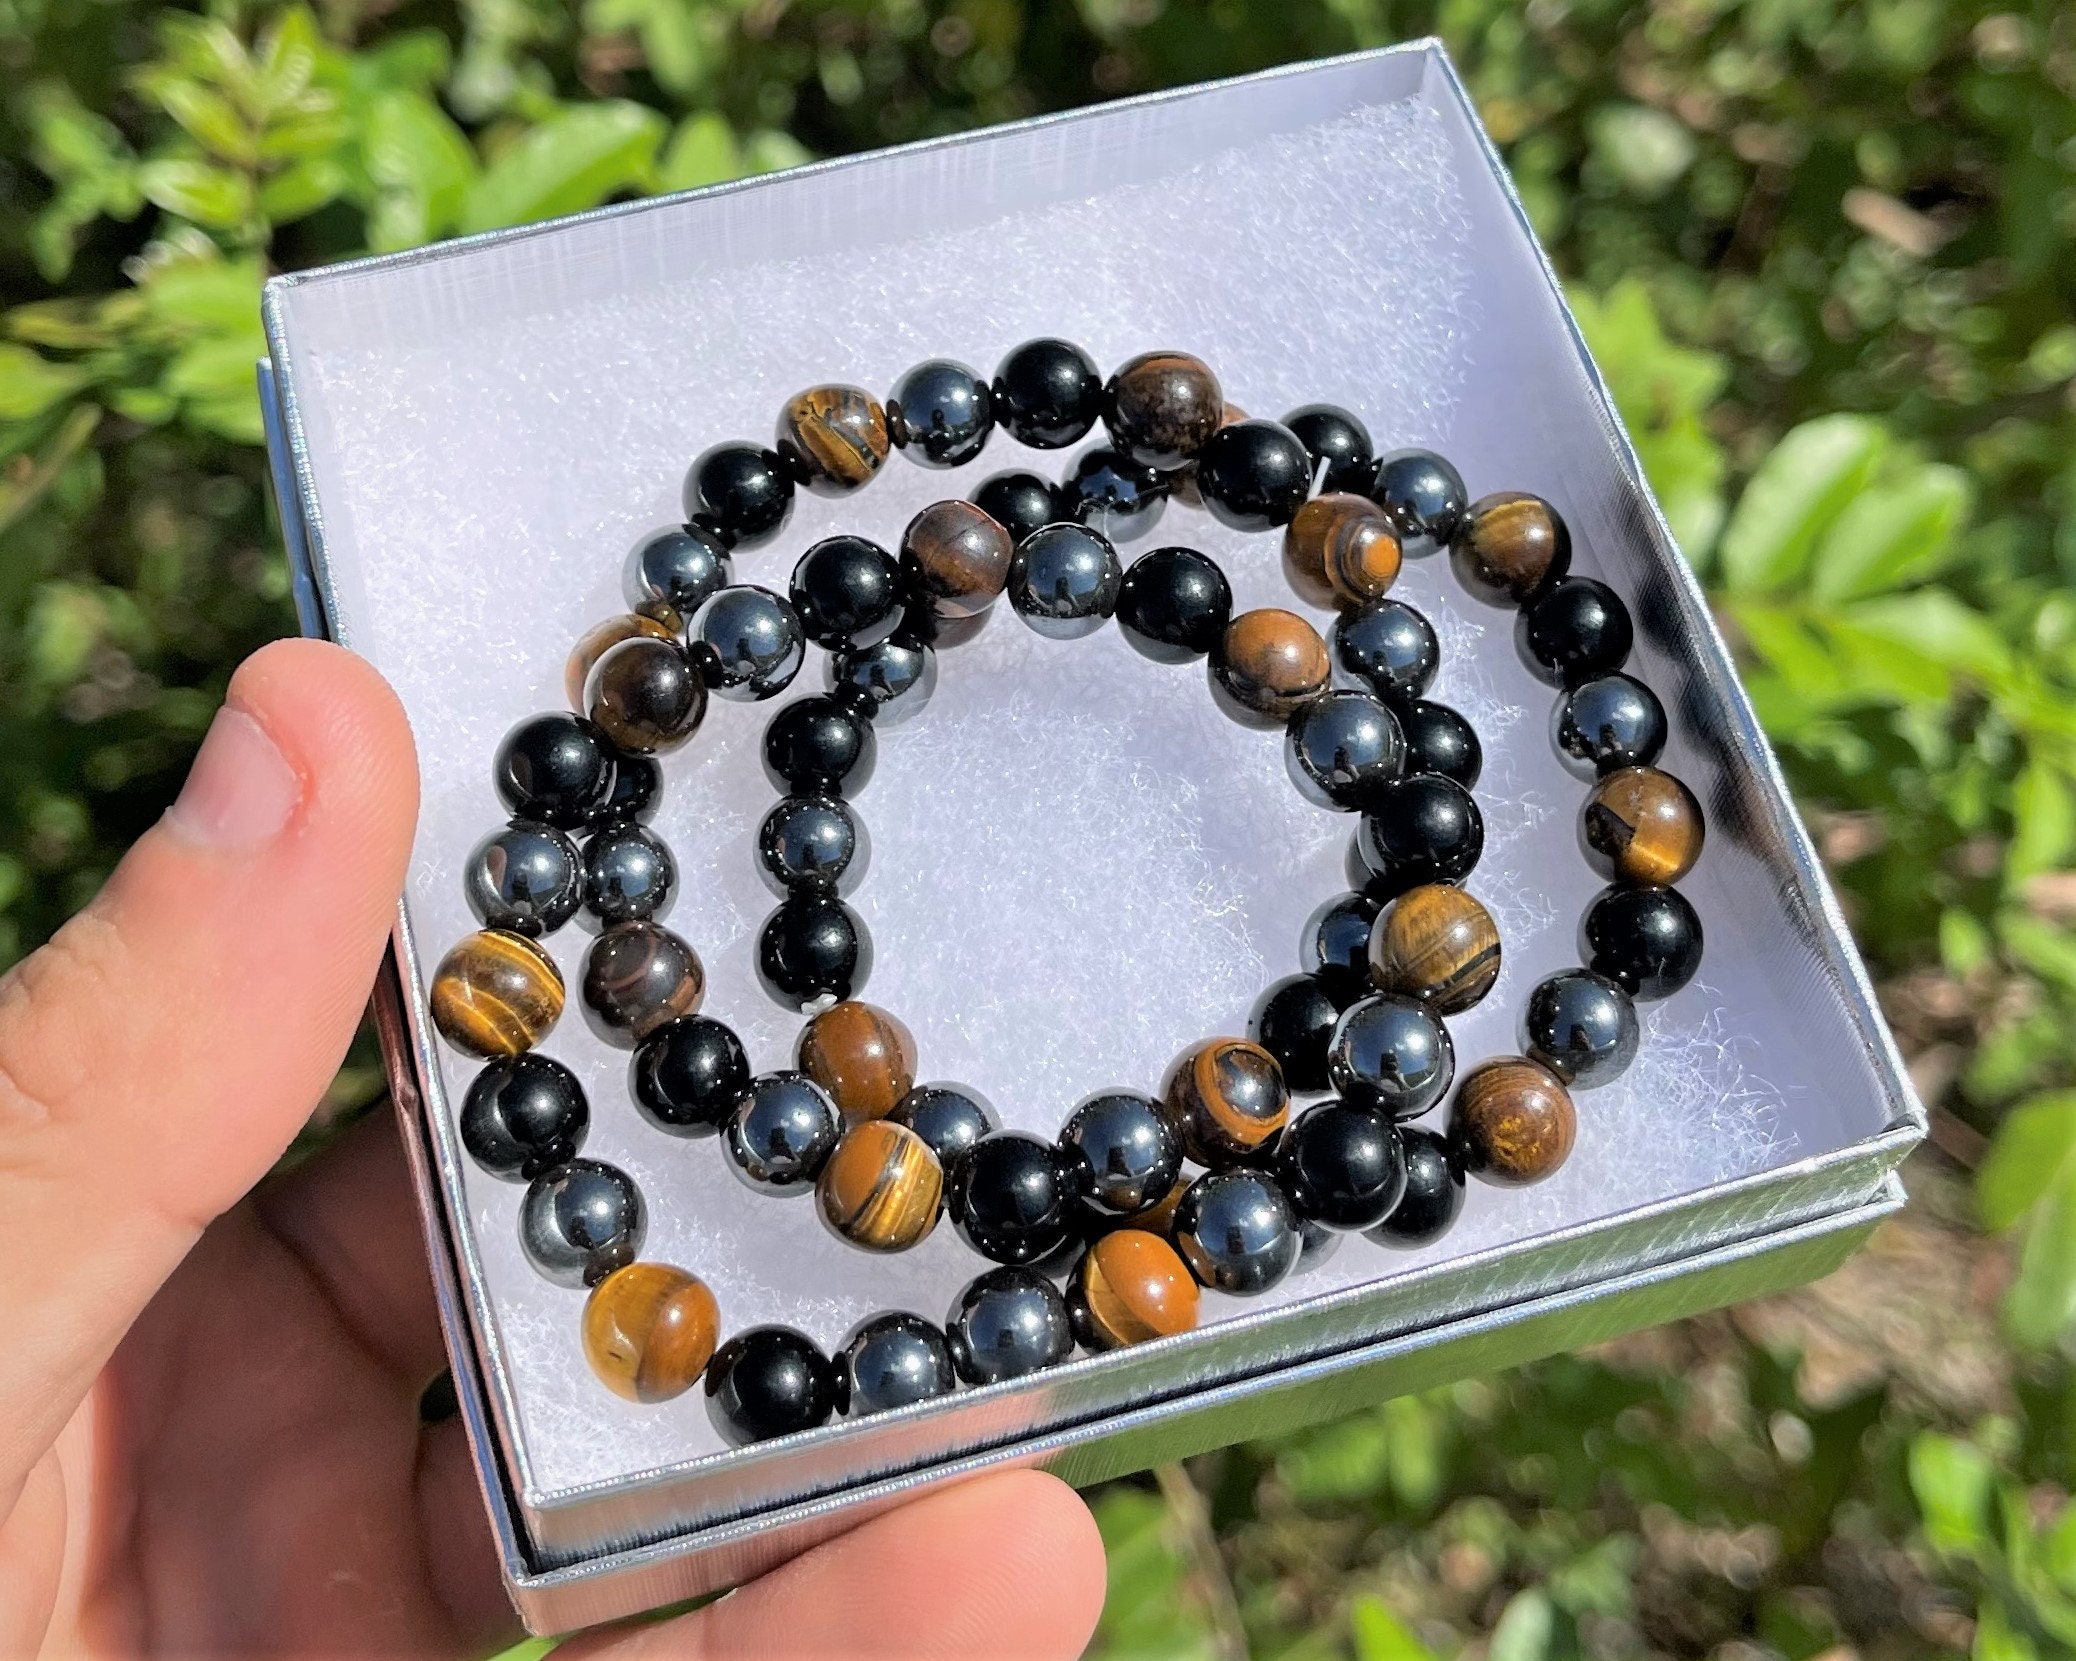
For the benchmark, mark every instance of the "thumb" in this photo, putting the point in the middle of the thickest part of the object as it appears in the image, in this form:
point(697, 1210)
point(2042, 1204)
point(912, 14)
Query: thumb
point(160, 1052)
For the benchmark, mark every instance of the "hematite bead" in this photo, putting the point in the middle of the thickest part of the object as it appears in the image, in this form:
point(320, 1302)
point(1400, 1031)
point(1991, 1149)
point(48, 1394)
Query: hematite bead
point(1269, 663)
point(741, 492)
point(1341, 748)
point(833, 438)
point(523, 1114)
point(1112, 493)
point(629, 875)
point(637, 977)
point(941, 413)
point(1047, 394)
point(1433, 1198)
point(880, 1188)
point(1337, 441)
point(1012, 1196)
point(1008, 1323)
point(1388, 647)
point(1439, 740)
point(1064, 579)
point(581, 1221)
point(1132, 1151)
point(768, 1381)
point(1608, 723)
point(526, 878)
point(892, 1360)
point(1174, 605)
point(1254, 475)
point(956, 557)
point(1578, 630)
point(1424, 498)
point(1236, 1231)
point(1437, 944)
point(1019, 502)
point(1130, 1287)
point(814, 947)
point(649, 1330)
point(646, 696)
point(781, 1133)
point(675, 571)
point(1647, 939)
point(689, 1075)
point(1339, 550)
point(1581, 1026)
point(1161, 407)
point(637, 791)
point(886, 682)
point(1294, 1021)
point(747, 643)
point(817, 747)
point(1510, 547)
point(1512, 1122)
point(1392, 1053)
point(1642, 826)
point(496, 993)
point(846, 592)
point(1342, 1165)
point(812, 842)
point(863, 1056)
point(950, 1117)
point(1336, 942)
point(1228, 1099)
point(1424, 829)
point(554, 768)
point(600, 639)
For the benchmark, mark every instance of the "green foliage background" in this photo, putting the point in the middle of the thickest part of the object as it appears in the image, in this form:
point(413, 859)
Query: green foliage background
point(1826, 251)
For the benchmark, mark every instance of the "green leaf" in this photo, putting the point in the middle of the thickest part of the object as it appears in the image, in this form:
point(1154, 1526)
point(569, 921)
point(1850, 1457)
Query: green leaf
point(2043, 809)
point(30, 383)
point(302, 189)
point(288, 54)
point(1795, 496)
point(208, 117)
point(2034, 1149)
point(211, 196)
point(1892, 536)
point(1953, 1482)
point(1938, 624)
point(702, 152)
point(1524, 1630)
point(1996, 1639)
point(1643, 147)
point(2041, 1304)
point(575, 160)
point(416, 153)
point(1376, 1634)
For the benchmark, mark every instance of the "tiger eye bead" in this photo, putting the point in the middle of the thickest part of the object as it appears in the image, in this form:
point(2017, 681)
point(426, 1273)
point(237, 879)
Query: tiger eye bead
point(864, 1057)
point(956, 558)
point(1161, 407)
point(1269, 664)
point(496, 993)
point(1129, 1287)
point(1227, 1098)
point(600, 639)
point(1512, 1122)
point(1340, 550)
point(638, 977)
point(1510, 547)
point(881, 1187)
point(645, 695)
point(1437, 944)
point(833, 438)
point(649, 1331)
point(1641, 825)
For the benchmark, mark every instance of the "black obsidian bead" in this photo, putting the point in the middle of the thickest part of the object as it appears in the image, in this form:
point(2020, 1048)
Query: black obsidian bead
point(1336, 942)
point(637, 790)
point(941, 413)
point(817, 747)
point(1342, 1165)
point(1174, 604)
point(526, 878)
point(1433, 1199)
point(949, 1117)
point(1581, 1026)
point(1647, 940)
point(781, 1133)
point(886, 682)
point(1423, 829)
point(523, 1114)
point(1064, 580)
point(1608, 723)
point(1236, 1231)
point(1112, 493)
point(581, 1221)
point(1019, 502)
point(812, 842)
point(747, 643)
point(1254, 475)
point(892, 1360)
point(1131, 1150)
point(1339, 442)
point(557, 769)
point(847, 591)
point(1422, 496)
point(741, 492)
point(1439, 740)
point(1578, 631)
point(1008, 1323)
point(629, 875)
point(1294, 1021)
point(1011, 1196)
point(680, 568)
point(1341, 749)
point(689, 1075)
point(813, 947)
point(768, 1381)
point(1392, 1053)
point(1386, 646)
point(1047, 394)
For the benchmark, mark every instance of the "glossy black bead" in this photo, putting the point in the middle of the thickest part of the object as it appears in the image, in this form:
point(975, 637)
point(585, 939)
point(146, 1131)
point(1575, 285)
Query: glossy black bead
point(781, 1133)
point(1011, 1196)
point(892, 1360)
point(817, 747)
point(1254, 475)
point(1608, 723)
point(689, 1075)
point(1423, 829)
point(1019, 502)
point(1576, 632)
point(768, 1381)
point(680, 568)
point(1316, 1245)
point(1047, 394)
point(1581, 1026)
point(814, 947)
point(1236, 1231)
point(1294, 1021)
point(1433, 1199)
point(581, 1221)
point(1391, 1053)
point(847, 591)
point(557, 769)
point(1342, 1165)
point(1064, 580)
point(886, 682)
point(1386, 646)
point(1338, 442)
point(812, 842)
point(527, 878)
point(1439, 740)
point(1422, 496)
point(524, 1114)
point(949, 1117)
point(1336, 942)
point(1647, 940)
point(1008, 1323)
point(1174, 604)
point(629, 875)
point(1341, 749)
point(741, 492)
point(747, 642)
point(1130, 1147)
point(1112, 493)
point(637, 790)
point(940, 414)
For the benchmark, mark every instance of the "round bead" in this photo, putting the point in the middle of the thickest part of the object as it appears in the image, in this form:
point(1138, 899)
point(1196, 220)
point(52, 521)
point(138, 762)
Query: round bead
point(817, 747)
point(1161, 407)
point(949, 1117)
point(637, 977)
point(1340, 550)
point(1019, 502)
point(812, 842)
point(741, 492)
point(1392, 1053)
point(1236, 1231)
point(781, 1133)
point(557, 769)
point(601, 638)
point(496, 993)
point(920, 623)
point(881, 1187)
point(956, 557)
point(637, 791)
point(1336, 942)
point(1112, 493)
point(1576, 632)
point(747, 643)
point(1510, 547)
point(1294, 1021)
point(1342, 1165)
point(1388, 647)
point(1227, 1097)
point(646, 696)
point(689, 1075)
point(1174, 605)
point(1254, 475)
point(863, 1056)
point(1424, 498)
point(1268, 664)
point(1064, 579)
point(892, 1360)
point(1011, 1196)
point(629, 875)
point(768, 1381)
point(1581, 1026)
point(581, 1221)
point(833, 438)
point(1512, 1122)
point(847, 591)
point(1316, 1246)
point(1341, 749)
point(1648, 940)
point(649, 1331)
point(1130, 1287)
point(1424, 829)
point(1438, 944)
point(1440, 740)
point(523, 1114)
point(813, 948)
point(1008, 1323)
point(1131, 1149)
point(1338, 443)
point(1047, 394)
point(1433, 1198)
point(527, 878)
point(1642, 826)
point(941, 414)
point(674, 572)
point(1606, 724)
point(886, 682)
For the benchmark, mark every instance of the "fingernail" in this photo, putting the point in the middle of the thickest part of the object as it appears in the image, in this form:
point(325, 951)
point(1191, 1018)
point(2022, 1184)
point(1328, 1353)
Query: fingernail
point(241, 790)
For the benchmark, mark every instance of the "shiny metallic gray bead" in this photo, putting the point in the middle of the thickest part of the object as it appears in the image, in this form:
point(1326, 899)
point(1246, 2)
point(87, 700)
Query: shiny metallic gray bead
point(892, 1360)
point(886, 682)
point(681, 567)
point(747, 642)
point(1607, 724)
point(1581, 1026)
point(629, 875)
point(1423, 497)
point(781, 1133)
point(949, 1117)
point(1064, 580)
point(812, 842)
point(1341, 748)
point(1237, 1231)
point(527, 877)
point(1391, 1052)
point(1132, 1150)
point(1007, 1323)
point(940, 414)
point(581, 1221)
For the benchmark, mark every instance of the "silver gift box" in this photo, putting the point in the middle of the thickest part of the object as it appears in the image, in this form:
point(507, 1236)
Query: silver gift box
point(578, 1554)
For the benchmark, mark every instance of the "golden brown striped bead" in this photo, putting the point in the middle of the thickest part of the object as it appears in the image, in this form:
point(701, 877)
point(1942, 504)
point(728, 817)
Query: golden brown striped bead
point(645, 695)
point(601, 638)
point(1340, 550)
point(1641, 825)
point(880, 1187)
point(834, 438)
point(1268, 664)
point(1510, 547)
point(649, 1331)
point(1512, 1122)
point(1437, 944)
point(861, 1055)
point(640, 976)
point(496, 993)
point(1160, 407)
point(957, 557)
point(1129, 1287)
point(1226, 1098)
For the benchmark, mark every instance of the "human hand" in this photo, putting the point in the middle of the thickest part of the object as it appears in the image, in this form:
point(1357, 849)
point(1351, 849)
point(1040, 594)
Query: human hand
point(209, 1430)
